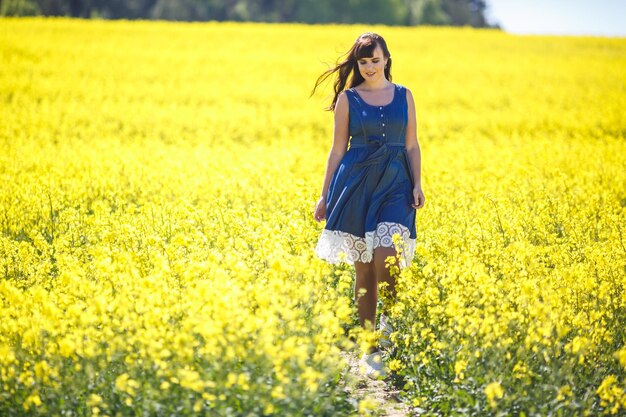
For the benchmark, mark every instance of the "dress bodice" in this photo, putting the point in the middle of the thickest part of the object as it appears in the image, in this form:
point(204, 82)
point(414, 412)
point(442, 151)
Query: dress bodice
point(376, 125)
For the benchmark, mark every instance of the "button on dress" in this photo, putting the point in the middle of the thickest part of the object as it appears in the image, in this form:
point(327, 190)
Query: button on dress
point(370, 195)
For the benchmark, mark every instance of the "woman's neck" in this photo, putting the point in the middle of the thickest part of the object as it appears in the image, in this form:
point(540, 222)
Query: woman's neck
point(378, 85)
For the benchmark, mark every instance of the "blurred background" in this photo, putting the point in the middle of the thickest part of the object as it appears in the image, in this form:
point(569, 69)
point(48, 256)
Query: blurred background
point(390, 12)
point(566, 17)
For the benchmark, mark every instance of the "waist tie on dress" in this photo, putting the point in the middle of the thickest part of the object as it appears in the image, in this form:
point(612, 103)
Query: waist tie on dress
point(378, 156)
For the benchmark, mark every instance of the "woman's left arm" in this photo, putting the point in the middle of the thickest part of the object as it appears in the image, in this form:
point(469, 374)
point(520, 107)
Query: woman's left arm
point(413, 150)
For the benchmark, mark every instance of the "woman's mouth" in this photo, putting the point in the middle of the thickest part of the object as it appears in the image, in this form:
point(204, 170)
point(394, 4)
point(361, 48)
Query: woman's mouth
point(370, 74)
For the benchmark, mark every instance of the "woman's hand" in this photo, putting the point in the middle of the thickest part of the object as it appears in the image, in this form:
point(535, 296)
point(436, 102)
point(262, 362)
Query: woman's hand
point(418, 197)
point(320, 210)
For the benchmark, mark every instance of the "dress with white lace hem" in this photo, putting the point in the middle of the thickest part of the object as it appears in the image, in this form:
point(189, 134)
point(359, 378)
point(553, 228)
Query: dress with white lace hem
point(335, 246)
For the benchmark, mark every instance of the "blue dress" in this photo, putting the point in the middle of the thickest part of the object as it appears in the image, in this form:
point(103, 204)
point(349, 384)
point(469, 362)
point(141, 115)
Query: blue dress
point(370, 195)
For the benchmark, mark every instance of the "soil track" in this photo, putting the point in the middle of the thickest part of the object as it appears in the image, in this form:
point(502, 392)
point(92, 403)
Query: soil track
point(383, 393)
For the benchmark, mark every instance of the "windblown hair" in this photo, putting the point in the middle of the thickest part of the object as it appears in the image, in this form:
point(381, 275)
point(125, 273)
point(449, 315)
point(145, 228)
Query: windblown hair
point(363, 47)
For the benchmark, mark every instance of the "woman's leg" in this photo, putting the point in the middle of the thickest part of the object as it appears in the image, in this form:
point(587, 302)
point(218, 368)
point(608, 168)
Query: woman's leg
point(382, 272)
point(366, 303)
point(368, 275)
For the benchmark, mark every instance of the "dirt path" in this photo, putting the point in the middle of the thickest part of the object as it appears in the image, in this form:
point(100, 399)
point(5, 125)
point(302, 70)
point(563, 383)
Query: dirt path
point(364, 387)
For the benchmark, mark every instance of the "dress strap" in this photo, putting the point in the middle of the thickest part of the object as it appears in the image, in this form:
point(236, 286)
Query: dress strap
point(354, 103)
point(350, 94)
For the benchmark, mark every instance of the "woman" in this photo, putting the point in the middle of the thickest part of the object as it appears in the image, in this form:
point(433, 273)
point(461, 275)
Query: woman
point(372, 189)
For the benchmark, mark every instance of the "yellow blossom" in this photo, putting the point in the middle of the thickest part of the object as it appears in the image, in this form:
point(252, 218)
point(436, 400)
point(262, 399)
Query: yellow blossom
point(494, 392)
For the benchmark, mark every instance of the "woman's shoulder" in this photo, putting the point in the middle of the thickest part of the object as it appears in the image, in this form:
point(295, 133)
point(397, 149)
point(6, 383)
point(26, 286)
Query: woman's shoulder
point(343, 100)
point(403, 89)
point(349, 95)
point(348, 91)
point(344, 95)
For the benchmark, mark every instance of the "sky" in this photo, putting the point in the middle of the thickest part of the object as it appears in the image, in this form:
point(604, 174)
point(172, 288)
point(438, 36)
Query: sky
point(559, 17)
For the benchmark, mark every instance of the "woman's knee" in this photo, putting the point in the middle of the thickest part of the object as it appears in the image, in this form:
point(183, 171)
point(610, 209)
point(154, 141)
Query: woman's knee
point(380, 257)
point(364, 267)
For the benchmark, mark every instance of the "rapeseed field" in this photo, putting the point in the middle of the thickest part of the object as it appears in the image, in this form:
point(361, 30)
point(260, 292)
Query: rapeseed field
point(156, 230)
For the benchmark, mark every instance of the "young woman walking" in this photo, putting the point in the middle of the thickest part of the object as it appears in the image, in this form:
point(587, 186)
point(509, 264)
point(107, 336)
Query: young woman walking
point(371, 189)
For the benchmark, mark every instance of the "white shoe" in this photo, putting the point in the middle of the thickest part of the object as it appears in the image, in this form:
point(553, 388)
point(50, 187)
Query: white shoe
point(386, 330)
point(372, 366)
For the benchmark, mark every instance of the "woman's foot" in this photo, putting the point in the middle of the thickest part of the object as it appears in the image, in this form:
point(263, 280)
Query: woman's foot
point(385, 329)
point(372, 365)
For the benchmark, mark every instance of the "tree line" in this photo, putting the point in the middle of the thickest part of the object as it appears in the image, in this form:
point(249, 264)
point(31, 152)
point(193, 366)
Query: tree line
point(388, 12)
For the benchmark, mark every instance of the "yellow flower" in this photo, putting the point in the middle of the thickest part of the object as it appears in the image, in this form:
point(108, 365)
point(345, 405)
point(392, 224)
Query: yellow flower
point(190, 379)
point(268, 409)
point(93, 400)
point(612, 396)
point(32, 399)
point(621, 357)
point(231, 379)
point(564, 393)
point(278, 392)
point(367, 406)
point(459, 367)
point(395, 365)
point(494, 392)
point(125, 384)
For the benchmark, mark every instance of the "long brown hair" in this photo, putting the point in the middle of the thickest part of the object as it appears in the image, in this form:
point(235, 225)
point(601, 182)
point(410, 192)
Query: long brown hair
point(363, 47)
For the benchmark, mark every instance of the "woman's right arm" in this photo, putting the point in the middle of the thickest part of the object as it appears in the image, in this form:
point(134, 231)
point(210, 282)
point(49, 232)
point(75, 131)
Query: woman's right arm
point(337, 151)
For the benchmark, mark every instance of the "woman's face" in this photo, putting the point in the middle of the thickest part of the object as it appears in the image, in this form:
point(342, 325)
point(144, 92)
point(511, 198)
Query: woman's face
point(372, 69)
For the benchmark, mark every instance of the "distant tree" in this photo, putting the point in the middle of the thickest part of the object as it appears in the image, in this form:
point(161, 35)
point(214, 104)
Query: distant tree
point(125, 9)
point(465, 12)
point(54, 7)
point(19, 8)
point(178, 10)
point(389, 12)
point(273, 10)
point(434, 14)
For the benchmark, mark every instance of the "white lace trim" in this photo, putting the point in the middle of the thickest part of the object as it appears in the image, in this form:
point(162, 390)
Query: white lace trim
point(335, 246)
